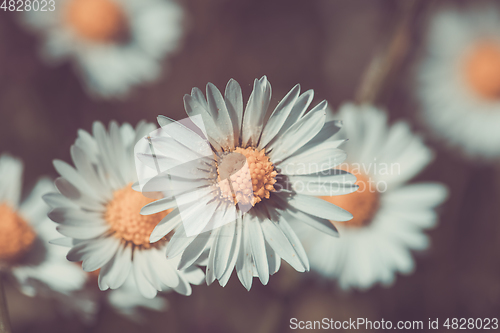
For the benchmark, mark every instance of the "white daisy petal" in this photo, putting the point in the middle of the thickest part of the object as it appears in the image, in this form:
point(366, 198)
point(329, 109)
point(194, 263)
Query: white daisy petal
point(317, 207)
point(244, 264)
point(166, 225)
point(299, 133)
point(258, 248)
point(280, 244)
point(224, 279)
point(312, 161)
point(210, 273)
point(234, 104)
point(194, 250)
point(33, 207)
point(158, 206)
point(279, 116)
point(11, 170)
point(116, 271)
point(298, 111)
point(224, 244)
point(143, 285)
point(217, 107)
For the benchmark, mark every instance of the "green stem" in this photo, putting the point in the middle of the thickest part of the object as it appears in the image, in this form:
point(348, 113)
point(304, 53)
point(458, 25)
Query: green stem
point(4, 313)
point(386, 64)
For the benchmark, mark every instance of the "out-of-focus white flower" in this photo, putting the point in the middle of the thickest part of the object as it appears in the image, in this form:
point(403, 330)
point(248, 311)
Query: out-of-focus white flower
point(259, 170)
point(37, 267)
point(86, 303)
point(99, 213)
point(389, 215)
point(459, 80)
point(114, 44)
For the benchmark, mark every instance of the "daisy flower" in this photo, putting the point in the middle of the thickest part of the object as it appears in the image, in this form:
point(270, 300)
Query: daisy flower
point(114, 44)
point(389, 215)
point(459, 80)
point(98, 213)
point(26, 256)
point(260, 170)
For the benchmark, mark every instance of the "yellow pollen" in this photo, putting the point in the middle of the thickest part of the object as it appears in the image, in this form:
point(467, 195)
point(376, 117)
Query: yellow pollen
point(362, 204)
point(16, 235)
point(96, 20)
point(246, 183)
point(123, 215)
point(482, 69)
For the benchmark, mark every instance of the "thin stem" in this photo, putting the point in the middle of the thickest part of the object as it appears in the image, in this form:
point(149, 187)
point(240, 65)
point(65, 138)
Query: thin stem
point(4, 314)
point(384, 65)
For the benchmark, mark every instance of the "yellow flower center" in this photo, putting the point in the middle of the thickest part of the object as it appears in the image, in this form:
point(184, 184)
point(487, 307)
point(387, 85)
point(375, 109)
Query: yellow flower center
point(362, 204)
point(123, 215)
point(246, 176)
point(96, 20)
point(16, 235)
point(482, 69)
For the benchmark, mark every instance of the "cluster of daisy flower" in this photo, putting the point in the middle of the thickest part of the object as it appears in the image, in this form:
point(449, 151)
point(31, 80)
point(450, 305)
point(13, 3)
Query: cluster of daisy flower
point(236, 187)
point(266, 185)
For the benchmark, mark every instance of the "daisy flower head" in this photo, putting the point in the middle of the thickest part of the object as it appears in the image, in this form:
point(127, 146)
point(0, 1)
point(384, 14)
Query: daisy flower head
point(458, 81)
point(242, 178)
point(389, 214)
point(114, 44)
point(26, 256)
point(98, 212)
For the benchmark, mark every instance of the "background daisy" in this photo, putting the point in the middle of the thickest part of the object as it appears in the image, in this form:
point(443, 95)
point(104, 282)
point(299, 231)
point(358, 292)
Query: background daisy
point(26, 256)
point(459, 79)
point(114, 44)
point(98, 213)
point(389, 215)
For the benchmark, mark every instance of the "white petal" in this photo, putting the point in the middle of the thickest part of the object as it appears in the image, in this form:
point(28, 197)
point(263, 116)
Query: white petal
point(194, 250)
point(144, 286)
point(166, 225)
point(117, 270)
point(258, 248)
point(280, 244)
point(244, 264)
point(11, 170)
point(255, 112)
point(217, 108)
point(223, 252)
point(158, 206)
point(318, 207)
point(299, 134)
point(279, 116)
point(235, 249)
point(234, 104)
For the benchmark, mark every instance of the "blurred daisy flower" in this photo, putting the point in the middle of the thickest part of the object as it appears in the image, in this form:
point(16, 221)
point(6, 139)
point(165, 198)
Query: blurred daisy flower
point(237, 199)
point(26, 256)
point(114, 44)
point(389, 215)
point(459, 80)
point(86, 303)
point(98, 212)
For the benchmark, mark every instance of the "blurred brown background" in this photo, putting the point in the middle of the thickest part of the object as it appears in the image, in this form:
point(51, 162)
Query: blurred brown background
point(325, 45)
